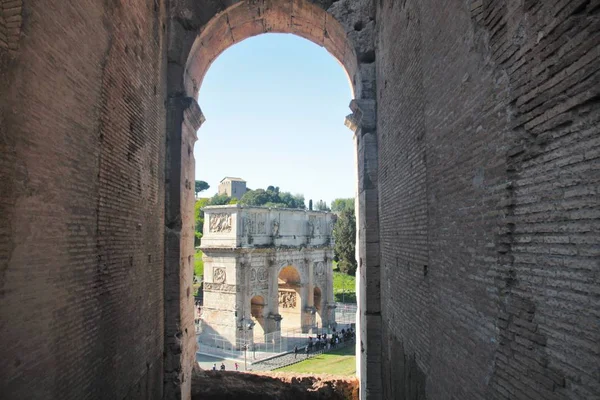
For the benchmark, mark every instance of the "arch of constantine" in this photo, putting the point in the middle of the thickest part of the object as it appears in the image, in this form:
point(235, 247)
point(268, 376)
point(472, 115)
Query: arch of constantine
point(271, 267)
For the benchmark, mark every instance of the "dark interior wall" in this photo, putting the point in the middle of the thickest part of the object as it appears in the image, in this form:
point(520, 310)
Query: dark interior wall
point(489, 153)
point(82, 124)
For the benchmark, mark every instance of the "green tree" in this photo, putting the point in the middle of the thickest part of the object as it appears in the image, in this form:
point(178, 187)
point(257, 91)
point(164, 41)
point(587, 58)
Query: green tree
point(199, 218)
point(344, 234)
point(299, 198)
point(272, 197)
point(219, 200)
point(200, 187)
point(258, 197)
point(339, 205)
point(321, 206)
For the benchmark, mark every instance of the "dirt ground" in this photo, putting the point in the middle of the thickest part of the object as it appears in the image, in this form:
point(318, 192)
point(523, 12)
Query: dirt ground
point(227, 385)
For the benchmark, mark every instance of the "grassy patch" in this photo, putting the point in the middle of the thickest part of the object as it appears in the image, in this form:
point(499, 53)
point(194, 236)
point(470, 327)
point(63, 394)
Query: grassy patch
point(344, 287)
point(337, 362)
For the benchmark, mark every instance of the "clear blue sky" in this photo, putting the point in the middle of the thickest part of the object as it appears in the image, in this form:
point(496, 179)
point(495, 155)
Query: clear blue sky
point(275, 106)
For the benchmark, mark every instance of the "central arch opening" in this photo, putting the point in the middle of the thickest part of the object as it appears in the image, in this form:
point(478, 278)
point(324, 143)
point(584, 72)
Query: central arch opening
point(289, 287)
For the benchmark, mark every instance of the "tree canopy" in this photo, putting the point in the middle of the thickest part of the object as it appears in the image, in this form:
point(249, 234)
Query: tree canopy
point(344, 234)
point(339, 205)
point(321, 206)
point(272, 197)
point(201, 186)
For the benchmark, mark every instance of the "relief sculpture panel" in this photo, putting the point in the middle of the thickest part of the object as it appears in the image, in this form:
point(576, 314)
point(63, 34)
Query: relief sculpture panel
point(220, 223)
point(319, 268)
point(255, 224)
point(260, 274)
point(219, 287)
point(287, 299)
point(219, 275)
point(314, 225)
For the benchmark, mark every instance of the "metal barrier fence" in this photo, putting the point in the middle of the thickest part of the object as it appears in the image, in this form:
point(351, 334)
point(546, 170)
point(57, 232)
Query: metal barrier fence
point(345, 313)
point(260, 347)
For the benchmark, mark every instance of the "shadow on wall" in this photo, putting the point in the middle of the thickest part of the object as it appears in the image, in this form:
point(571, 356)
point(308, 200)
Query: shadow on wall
point(404, 379)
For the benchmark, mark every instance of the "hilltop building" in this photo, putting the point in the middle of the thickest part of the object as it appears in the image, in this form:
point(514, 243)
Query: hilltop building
point(233, 187)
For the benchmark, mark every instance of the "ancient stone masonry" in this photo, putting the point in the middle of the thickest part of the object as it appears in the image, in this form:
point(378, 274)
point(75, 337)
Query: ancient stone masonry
point(477, 130)
point(11, 21)
point(82, 189)
point(279, 279)
point(489, 135)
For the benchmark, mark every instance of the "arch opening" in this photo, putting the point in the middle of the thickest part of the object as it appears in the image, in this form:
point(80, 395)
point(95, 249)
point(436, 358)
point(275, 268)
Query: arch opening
point(317, 304)
point(289, 293)
point(246, 19)
point(257, 309)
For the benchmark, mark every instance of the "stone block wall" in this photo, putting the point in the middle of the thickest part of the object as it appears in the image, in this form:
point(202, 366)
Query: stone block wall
point(81, 199)
point(489, 148)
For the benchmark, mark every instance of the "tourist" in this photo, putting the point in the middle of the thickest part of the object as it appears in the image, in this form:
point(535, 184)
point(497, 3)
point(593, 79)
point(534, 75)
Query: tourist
point(295, 351)
point(222, 367)
point(236, 366)
point(214, 367)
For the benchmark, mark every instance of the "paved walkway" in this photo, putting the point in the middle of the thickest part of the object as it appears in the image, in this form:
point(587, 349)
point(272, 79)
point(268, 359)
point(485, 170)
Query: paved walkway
point(291, 358)
point(206, 361)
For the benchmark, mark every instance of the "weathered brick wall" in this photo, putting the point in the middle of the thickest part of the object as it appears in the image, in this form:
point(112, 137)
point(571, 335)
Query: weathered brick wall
point(488, 136)
point(82, 123)
point(489, 153)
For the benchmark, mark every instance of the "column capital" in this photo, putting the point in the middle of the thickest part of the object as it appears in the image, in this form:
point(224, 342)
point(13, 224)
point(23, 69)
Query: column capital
point(363, 116)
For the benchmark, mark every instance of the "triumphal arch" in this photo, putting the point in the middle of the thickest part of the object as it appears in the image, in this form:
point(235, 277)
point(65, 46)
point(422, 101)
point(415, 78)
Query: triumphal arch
point(267, 267)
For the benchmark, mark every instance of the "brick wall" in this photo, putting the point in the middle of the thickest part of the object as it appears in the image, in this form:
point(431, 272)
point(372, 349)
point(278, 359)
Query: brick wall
point(489, 170)
point(81, 202)
point(486, 180)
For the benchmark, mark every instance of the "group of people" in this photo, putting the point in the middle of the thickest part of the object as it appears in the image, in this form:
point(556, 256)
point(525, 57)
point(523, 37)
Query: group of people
point(222, 367)
point(325, 342)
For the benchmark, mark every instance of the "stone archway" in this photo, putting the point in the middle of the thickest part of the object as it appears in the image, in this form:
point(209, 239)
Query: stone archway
point(197, 34)
point(290, 298)
point(318, 305)
point(250, 18)
point(257, 306)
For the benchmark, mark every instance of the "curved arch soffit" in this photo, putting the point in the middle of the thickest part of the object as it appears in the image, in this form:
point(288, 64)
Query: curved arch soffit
point(262, 298)
point(296, 270)
point(246, 19)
